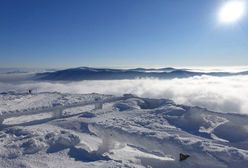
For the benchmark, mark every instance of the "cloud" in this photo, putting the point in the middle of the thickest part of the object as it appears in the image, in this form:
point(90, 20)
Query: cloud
point(223, 94)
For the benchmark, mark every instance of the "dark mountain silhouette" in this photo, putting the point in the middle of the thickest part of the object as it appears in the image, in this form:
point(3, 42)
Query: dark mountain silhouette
point(86, 73)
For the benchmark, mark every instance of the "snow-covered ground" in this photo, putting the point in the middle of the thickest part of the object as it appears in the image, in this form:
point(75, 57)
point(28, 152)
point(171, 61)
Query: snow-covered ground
point(125, 131)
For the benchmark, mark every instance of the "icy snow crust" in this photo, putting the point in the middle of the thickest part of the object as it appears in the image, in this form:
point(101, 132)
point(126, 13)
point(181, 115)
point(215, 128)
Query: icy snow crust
point(128, 131)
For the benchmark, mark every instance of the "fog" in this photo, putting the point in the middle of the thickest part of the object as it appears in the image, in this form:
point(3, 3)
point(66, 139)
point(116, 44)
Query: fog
point(223, 94)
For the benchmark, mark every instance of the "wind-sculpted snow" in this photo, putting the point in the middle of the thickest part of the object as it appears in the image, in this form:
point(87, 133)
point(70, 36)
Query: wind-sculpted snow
point(127, 132)
point(21, 103)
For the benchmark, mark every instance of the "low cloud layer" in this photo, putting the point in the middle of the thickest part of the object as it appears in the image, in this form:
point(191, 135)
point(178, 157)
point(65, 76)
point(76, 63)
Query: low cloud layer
point(223, 94)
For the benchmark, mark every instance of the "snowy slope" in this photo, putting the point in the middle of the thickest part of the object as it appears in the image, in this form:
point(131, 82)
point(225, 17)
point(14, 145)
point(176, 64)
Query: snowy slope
point(127, 131)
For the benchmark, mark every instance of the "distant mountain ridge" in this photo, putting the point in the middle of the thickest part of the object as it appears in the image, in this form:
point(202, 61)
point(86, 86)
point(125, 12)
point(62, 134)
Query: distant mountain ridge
point(87, 73)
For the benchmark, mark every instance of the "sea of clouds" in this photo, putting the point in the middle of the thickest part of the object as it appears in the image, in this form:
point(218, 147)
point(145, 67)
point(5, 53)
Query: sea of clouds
point(222, 94)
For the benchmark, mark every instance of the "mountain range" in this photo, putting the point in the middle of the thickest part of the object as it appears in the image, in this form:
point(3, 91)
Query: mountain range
point(87, 73)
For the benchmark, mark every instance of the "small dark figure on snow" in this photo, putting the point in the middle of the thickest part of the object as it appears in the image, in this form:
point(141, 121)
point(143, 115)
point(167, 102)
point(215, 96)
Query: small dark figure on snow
point(183, 156)
point(29, 91)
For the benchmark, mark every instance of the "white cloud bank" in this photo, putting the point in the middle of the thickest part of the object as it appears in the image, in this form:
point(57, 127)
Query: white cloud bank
point(224, 94)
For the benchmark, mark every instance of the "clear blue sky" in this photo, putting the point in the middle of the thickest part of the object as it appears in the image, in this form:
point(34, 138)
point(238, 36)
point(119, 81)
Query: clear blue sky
point(118, 33)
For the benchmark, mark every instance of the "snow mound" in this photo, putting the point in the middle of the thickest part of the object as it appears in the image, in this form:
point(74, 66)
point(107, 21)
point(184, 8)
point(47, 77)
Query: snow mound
point(32, 146)
point(61, 141)
point(140, 103)
point(126, 132)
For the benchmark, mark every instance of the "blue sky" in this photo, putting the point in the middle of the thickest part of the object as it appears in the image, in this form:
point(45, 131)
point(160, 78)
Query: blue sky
point(119, 33)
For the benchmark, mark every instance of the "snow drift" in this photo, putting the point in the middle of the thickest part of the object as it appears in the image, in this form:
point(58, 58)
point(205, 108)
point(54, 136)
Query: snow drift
point(128, 131)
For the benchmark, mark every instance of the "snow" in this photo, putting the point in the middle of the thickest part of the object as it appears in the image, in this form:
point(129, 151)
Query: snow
point(221, 94)
point(127, 131)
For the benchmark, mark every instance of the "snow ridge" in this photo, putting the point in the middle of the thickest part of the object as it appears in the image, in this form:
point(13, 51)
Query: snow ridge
point(126, 131)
